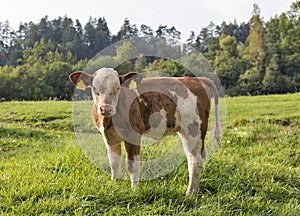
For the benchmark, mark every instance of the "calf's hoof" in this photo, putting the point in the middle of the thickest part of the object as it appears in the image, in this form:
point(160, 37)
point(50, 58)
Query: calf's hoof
point(191, 191)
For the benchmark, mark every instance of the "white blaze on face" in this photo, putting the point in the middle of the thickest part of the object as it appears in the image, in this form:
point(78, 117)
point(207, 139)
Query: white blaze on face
point(105, 89)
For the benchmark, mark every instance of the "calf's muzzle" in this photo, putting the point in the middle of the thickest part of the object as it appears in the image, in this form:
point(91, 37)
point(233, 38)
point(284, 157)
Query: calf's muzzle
point(105, 110)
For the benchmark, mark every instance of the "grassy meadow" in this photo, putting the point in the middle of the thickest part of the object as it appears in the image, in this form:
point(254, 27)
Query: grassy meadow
point(43, 170)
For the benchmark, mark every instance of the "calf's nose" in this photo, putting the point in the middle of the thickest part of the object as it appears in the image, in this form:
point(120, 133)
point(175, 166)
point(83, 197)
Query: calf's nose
point(105, 109)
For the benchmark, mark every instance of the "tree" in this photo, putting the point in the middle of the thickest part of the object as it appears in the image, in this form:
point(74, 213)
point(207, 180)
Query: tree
point(165, 67)
point(44, 72)
point(191, 39)
point(102, 39)
point(140, 63)
point(255, 40)
point(295, 10)
point(146, 31)
point(282, 41)
point(190, 43)
point(273, 37)
point(202, 39)
point(172, 35)
point(96, 36)
point(125, 54)
point(6, 37)
point(229, 29)
point(162, 31)
point(6, 82)
point(229, 44)
point(126, 51)
point(213, 48)
point(90, 37)
point(228, 65)
point(274, 81)
point(254, 53)
point(242, 33)
point(55, 81)
point(127, 31)
point(213, 30)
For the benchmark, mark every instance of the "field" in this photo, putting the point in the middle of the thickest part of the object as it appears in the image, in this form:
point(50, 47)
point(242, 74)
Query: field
point(43, 170)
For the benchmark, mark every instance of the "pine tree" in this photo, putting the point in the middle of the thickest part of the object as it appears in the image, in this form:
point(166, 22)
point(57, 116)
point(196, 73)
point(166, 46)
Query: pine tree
point(254, 54)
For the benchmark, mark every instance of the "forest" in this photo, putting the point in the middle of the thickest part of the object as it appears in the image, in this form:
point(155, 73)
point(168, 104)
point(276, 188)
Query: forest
point(250, 58)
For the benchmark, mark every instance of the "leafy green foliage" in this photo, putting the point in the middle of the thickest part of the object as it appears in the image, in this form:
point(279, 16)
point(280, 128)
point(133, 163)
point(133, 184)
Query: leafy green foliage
point(166, 68)
point(248, 57)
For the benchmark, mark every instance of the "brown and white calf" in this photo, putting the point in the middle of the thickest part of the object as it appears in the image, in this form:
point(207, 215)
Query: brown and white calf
point(129, 106)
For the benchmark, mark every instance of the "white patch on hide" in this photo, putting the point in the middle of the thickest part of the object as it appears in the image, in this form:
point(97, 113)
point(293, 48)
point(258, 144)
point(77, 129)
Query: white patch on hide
point(157, 130)
point(188, 112)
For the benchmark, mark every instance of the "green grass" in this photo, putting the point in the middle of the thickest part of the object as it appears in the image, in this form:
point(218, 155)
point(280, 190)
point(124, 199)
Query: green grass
point(43, 171)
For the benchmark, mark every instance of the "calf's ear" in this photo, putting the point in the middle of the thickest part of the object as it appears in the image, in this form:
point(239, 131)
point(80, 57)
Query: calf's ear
point(81, 80)
point(131, 80)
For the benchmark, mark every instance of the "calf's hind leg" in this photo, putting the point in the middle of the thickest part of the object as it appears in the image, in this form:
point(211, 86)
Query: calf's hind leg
point(192, 147)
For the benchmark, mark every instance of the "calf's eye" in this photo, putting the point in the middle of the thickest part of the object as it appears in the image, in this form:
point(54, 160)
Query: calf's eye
point(112, 93)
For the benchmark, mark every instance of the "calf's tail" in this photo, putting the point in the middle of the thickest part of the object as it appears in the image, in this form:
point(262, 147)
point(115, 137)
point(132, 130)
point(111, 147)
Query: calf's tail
point(208, 82)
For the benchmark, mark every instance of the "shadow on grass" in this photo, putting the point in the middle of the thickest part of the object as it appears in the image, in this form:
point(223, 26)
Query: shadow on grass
point(14, 137)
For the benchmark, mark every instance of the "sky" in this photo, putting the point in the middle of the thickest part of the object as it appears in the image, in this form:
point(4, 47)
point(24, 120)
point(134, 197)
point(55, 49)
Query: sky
point(186, 16)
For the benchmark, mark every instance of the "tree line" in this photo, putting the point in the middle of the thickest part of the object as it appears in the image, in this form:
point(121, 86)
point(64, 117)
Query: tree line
point(256, 57)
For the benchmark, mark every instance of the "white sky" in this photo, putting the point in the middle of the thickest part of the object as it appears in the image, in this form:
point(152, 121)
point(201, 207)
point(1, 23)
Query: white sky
point(186, 16)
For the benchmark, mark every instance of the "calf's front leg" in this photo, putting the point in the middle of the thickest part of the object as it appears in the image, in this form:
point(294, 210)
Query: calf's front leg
point(133, 162)
point(114, 157)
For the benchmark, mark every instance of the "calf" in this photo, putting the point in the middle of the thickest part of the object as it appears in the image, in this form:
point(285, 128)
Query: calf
point(129, 106)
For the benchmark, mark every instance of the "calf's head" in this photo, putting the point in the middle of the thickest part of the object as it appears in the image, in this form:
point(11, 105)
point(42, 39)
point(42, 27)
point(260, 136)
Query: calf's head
point(106, 85)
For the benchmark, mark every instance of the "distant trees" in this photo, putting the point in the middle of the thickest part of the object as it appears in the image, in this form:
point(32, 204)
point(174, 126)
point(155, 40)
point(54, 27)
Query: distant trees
point(228, 64)
point(96, 37)
point(256, 57)
point(282, 53)
point(42, 75)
